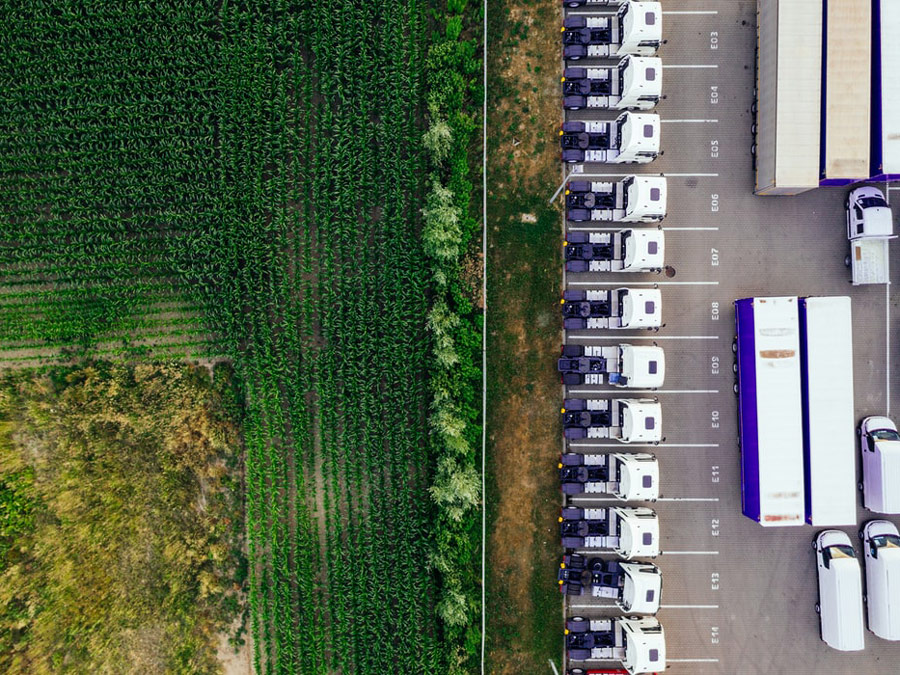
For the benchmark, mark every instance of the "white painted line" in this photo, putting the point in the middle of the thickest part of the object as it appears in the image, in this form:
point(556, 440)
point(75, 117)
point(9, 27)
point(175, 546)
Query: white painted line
point(618, 390)
point(658, 445)
point(553, 665)
point(651, 336)
point(893, 187)
point(691, 229)
point(692, 660)
point(686, 121)
point(689, 607)
point(887, 345)
point(692, 175)
point(644, 283)
point(694, 11)
point(689, 66)
point(578, 500)
point(689, 553)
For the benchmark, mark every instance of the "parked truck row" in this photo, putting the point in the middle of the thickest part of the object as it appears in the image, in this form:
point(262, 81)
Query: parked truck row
point(611, 66)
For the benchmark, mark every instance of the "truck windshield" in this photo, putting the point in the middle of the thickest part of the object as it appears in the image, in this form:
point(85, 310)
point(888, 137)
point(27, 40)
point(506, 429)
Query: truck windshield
point(886, 541)
point(871, 202)
point(885, 435)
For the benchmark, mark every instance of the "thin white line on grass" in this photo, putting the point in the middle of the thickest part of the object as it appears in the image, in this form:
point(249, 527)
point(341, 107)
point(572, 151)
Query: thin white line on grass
point(484, 231)
point(553, 665)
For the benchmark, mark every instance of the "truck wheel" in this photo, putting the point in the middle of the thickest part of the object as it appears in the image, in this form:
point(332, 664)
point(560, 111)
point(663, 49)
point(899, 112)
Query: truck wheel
point(736, 389)
point(860, 534)
point(573, 107)
point(814, 544)
point(734, 367)
point(818, 609)
point(859, 486)
point(846, 261)
point(734, 346)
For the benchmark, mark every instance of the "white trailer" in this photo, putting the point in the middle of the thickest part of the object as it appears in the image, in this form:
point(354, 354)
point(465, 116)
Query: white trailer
point(826, 368)
point(870, 226)
point(639, 644)
point(631, 532)
point(618, 308)
point(770, 410)
point(626, 420)
point(628, 476)
point(637, 367)
point(622, 251)
point(634, 138)
point(886, 91)
point(636, 28)
point(634, 199)
point(634, 84)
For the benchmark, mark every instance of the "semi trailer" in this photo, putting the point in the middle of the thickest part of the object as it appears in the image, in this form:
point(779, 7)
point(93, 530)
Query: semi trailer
point(636, 28)
point(626, 420)
point(770, 410)
point(630, 532)
point(617, 308)
point(622, 251)
point(637, 643)
point(638, 367)
point(635, 83)
point(628, 476)
point(634, 199)
point(633, 138)
point(829, 441)
point(635, 586)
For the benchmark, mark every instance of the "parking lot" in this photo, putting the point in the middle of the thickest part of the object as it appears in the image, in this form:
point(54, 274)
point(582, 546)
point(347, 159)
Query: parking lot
point(737, 598)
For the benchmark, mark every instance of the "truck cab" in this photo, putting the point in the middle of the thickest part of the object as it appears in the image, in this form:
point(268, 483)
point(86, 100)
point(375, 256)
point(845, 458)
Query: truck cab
point(628, 476)
point(637, 367)
point(638, 530)
point(641, 308)
point(640, 28)
point(645, 198)
point(870, 227)
point(880, 449)
point(637, 138)
point(641, 78)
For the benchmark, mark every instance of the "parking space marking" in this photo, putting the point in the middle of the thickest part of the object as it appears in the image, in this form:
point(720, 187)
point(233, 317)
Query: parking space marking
point(624, 336)
point(644, 283)
point(693, 11)
point(689, 121)
point(887, 346)
point(690, 229)
point(644, 391)
point(652, 445)
point(692, 660)
point(689, 553)
point(691, 175)
point(689, 66)
point(689, 607)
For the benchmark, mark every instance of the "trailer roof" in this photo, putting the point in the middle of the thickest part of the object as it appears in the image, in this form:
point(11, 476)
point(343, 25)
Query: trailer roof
point(831, 438)
point(847, 85)
point(890, 87)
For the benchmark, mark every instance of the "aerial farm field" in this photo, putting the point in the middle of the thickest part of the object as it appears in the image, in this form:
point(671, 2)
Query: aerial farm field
point(284, 186)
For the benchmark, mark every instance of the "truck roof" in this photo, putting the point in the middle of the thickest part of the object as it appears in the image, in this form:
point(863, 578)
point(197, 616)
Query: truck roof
point(643, 587)
point(642, 421)
point(639, 476)
point(830, 440)
point(649, 190)
point(646, 645)
point(645, 17)
point(640, 131)
point(639, 532)
point(646, 365)
point(644, 73)
point(646, 250)
point(642, 308)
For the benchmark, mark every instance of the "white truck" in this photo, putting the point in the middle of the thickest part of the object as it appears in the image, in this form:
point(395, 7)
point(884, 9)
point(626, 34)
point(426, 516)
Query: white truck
point(880, 447)
point(636, 28)
point(628, 476)
point(635, 586)
point(634, 199)
point(635, 420)
point(637, 367)
point(639, 644)
point(870, 227)
point(634, 84)
point(617, 308)
point(633, 138)
point(622, 251)
point(631, 532)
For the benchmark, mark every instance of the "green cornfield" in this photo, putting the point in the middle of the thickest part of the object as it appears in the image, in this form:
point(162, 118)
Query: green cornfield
point(244, 180)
